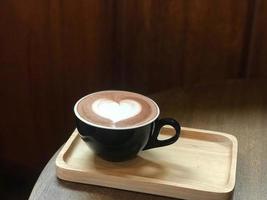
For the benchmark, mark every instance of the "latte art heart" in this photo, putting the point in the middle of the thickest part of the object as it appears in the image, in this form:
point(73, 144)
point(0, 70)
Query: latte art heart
point(116, 111)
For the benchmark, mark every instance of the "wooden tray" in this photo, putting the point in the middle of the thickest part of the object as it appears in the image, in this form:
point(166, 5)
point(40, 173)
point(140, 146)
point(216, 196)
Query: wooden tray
point(201, 165)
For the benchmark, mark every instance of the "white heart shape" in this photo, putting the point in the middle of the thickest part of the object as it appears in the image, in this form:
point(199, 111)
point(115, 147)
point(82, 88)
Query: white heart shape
point(116, 111)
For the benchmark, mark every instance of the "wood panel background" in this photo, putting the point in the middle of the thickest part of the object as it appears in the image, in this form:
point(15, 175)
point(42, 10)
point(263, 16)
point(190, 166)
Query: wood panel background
point(53, 52)
point(257, 59)
point(176, 42)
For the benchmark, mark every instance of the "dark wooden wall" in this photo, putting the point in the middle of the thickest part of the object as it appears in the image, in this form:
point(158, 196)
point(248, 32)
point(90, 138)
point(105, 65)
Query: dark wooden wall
point(257, 57)
point(186, 42)
point(53, 52)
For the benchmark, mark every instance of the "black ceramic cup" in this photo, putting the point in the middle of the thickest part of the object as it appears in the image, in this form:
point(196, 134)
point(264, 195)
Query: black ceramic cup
point(123, 144)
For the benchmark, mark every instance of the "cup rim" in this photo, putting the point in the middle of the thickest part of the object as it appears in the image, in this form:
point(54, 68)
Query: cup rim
point(114, 128)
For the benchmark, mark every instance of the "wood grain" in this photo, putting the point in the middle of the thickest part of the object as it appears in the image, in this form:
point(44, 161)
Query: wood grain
point(214, 40)
point(187, 41)
point(52, 53)
point(200, 166)
point(151, 43)
point(235, 107)
point(258, 48)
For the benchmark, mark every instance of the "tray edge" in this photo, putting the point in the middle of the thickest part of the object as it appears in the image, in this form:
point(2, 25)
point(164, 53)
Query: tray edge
point(62, 168)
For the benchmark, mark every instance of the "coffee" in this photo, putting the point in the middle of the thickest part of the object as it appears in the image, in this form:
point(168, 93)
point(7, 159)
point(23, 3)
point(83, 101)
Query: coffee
point(117, 125)
point(116, 109)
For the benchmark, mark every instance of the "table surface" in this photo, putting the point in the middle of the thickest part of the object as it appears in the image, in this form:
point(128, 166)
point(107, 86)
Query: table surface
point(235, 107)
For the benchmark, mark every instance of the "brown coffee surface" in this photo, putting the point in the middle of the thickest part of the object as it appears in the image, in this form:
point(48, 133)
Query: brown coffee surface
point(141, 109)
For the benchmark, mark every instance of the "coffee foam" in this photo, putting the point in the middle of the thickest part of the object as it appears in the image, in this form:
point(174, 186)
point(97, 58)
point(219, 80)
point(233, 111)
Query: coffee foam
point(116, 110)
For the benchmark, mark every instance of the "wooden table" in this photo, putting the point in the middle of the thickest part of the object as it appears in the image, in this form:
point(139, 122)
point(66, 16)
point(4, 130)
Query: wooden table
point(235, 107)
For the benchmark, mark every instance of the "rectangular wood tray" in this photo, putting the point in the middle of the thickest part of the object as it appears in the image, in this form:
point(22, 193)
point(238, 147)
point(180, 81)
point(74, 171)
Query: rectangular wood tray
point(201, 165)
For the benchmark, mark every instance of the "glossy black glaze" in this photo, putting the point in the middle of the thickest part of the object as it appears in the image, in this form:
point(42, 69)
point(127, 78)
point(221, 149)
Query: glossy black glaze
point(120, 145)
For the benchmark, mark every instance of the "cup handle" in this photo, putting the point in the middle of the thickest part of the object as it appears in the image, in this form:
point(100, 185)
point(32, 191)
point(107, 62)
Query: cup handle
point(153, 141)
